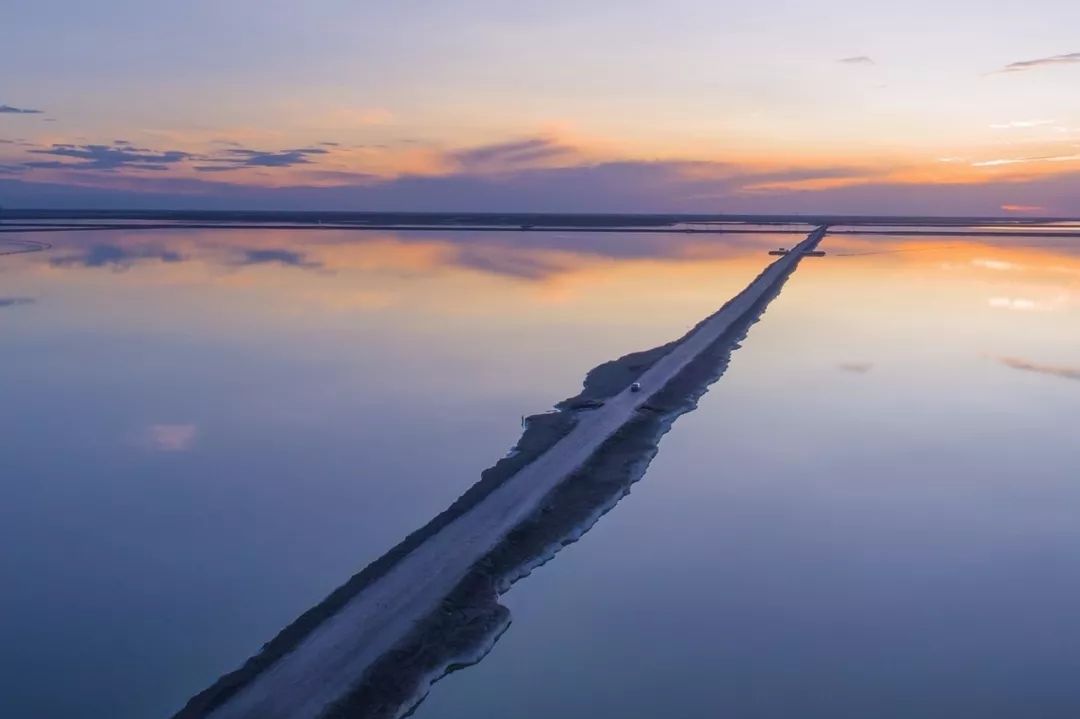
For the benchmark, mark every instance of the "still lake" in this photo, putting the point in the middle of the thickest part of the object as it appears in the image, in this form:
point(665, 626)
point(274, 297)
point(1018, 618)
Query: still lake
point(871, 513)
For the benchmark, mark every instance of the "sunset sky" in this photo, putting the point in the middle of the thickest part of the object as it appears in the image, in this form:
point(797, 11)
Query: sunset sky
point(681, 106)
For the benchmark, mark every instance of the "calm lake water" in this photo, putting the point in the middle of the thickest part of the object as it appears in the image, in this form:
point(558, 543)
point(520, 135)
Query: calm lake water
point(871, 513)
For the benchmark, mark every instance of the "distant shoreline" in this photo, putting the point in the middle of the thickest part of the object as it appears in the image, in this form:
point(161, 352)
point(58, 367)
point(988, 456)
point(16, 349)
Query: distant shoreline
point(511, 220)
point(29, 221)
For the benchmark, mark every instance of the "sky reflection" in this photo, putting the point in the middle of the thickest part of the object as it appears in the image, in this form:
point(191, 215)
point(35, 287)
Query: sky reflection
point(868, 515)
point(208, 430)
point(198, 447)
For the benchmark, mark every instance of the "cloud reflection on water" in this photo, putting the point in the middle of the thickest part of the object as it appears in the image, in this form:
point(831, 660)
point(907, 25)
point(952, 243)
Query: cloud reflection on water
point(1062, 371)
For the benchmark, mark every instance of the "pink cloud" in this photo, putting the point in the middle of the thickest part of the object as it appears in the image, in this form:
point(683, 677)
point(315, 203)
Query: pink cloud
point(171, 437)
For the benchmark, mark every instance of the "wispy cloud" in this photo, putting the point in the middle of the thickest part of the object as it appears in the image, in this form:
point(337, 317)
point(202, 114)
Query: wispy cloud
point(9, 110)
point(997, 265)
point(1070, 58)
point(124, 155)
point(802, 179)
point(1025, 304)
point(1023, 208)
point(1024, 160)
point(1020, 124)
point(856, 367)
point(239, 157)
point(120, 154)
point(857, 60)
point(1062, 371)
point(16, 301)
point(512, 154)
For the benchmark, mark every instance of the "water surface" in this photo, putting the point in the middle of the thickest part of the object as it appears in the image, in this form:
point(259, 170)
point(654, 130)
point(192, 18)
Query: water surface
point(871, 514)
point(204, 432)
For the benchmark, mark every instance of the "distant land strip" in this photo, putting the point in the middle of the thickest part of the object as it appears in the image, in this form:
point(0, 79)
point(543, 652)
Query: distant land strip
point(389, 228)
point(735, 230)
point(533, 220)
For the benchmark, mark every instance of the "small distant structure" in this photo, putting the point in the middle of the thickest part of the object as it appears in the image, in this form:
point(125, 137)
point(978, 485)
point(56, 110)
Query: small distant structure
point(635, 387)
point(526, 227)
